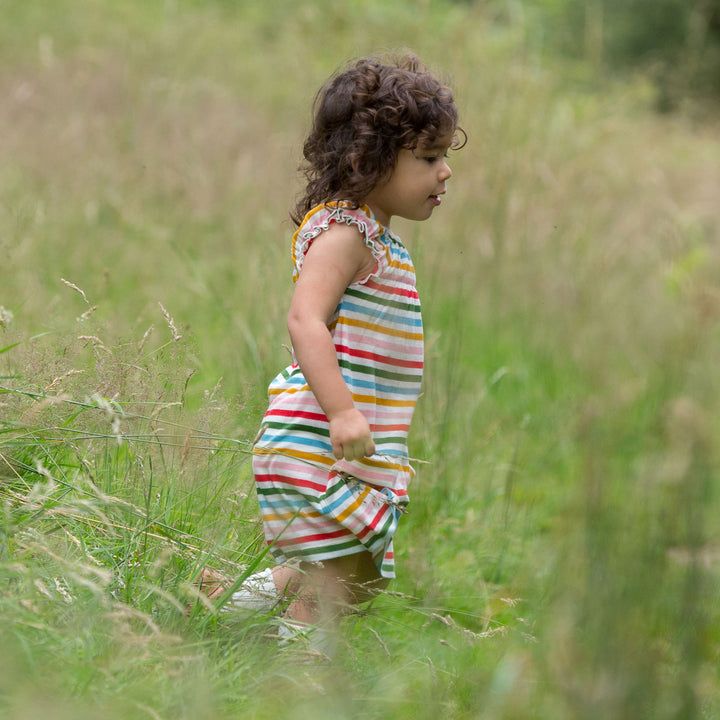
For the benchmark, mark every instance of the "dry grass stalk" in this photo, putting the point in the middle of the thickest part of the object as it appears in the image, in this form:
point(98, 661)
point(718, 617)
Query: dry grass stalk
point(76, 288)
point(171, 323)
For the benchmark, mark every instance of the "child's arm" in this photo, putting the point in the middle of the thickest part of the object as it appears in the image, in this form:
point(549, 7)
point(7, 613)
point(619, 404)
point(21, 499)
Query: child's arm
point(337, 258)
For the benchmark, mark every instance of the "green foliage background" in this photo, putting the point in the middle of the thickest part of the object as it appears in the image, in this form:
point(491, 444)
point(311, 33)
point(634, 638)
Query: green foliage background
point(560, 559)
point(675, 42)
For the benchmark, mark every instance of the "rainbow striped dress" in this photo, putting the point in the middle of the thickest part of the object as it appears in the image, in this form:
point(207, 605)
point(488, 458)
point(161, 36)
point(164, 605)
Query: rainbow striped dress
point(313, 506)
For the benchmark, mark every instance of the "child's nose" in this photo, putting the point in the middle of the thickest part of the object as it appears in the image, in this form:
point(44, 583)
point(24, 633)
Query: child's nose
point(445, 171)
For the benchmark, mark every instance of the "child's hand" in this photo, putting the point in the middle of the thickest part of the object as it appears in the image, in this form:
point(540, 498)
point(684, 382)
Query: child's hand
point(350, 435)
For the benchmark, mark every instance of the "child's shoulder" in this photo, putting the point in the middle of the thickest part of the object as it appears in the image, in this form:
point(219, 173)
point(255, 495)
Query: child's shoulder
point(337, 215)
point(321, 217)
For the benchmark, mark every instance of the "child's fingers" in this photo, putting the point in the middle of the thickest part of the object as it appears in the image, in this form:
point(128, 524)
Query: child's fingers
point(350, 436)
point(354, 450)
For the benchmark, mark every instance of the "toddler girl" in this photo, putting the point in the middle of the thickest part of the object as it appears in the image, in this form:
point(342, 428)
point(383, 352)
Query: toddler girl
point(331, 462)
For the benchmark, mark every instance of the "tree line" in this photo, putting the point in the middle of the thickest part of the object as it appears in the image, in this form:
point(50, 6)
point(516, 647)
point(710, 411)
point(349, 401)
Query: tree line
point(675, 42)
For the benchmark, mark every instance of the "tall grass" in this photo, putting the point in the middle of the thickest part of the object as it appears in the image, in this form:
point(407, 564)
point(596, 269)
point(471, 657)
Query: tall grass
point(560, 558)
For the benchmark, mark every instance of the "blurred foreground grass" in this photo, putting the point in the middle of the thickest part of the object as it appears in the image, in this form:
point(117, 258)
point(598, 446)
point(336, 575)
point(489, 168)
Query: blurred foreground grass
point(561, 556)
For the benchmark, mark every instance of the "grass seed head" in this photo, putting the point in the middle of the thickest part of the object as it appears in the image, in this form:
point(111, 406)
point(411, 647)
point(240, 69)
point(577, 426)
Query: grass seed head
point(6, 317)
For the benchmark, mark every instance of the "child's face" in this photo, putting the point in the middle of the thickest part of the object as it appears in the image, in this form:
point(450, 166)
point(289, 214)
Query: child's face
point(414, 187)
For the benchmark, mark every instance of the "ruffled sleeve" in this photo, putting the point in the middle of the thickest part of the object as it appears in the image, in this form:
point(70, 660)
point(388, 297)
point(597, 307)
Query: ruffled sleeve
point(321, 217)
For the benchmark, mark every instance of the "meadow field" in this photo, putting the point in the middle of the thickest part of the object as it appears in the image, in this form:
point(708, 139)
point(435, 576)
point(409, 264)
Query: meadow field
point(561, 556)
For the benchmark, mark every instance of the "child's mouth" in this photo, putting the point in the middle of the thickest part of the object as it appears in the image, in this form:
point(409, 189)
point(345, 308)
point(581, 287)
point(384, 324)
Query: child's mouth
point(435, 200)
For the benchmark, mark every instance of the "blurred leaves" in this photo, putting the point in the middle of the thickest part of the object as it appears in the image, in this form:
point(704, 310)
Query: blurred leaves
point(675, 42)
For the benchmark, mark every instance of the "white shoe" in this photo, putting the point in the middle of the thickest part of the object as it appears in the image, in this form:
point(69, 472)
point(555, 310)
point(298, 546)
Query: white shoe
point(257, 594)
point(319, 642)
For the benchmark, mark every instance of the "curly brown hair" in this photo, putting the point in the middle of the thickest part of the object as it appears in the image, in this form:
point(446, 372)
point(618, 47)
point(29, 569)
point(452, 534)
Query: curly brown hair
point(362, 118)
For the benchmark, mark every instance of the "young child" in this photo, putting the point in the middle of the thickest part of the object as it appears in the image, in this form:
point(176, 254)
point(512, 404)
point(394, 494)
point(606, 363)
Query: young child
point(331, 463)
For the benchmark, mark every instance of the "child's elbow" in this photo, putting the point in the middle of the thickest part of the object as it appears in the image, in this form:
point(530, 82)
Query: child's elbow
point(303, 325)
point(294, 323)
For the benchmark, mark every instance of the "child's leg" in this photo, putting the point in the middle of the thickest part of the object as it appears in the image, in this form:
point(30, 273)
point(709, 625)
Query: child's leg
point(287, 580)
point(263, 591)
point(315, 594)
point(322, 592)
